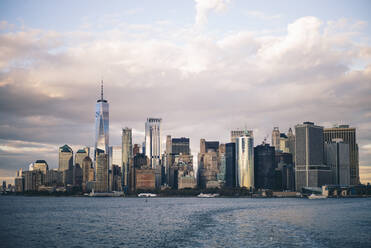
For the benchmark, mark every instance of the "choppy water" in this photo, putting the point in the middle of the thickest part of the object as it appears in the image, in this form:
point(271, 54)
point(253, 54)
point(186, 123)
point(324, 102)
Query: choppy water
point(183, 222)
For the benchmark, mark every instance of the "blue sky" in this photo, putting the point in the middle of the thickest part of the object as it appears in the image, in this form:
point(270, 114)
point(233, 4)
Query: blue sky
point(205, 67)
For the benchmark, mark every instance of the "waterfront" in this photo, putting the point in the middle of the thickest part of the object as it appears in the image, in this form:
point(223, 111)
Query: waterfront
point(183, 222)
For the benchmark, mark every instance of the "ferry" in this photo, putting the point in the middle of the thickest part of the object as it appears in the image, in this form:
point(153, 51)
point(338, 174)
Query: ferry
point(106, 194)
point(147, 195)
point(202, 195)
point(314, 196)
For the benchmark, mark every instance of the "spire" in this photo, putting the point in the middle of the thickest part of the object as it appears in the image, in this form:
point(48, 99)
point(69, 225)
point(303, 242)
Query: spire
point(101, 91)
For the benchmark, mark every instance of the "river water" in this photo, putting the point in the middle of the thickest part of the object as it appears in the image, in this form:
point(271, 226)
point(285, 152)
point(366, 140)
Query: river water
point(183, 222)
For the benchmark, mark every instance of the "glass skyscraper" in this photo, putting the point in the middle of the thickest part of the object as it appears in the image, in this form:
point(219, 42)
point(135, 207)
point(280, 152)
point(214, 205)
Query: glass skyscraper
point(102, 124)
point(245, 160)
point(153, 141)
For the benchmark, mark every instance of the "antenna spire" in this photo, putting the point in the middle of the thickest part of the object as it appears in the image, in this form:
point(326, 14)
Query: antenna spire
point(101, 91)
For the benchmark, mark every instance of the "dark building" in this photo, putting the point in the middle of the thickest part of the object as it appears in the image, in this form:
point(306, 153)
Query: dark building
point(264, 166)
point(230, 162)
point(348, 135)
point(208, 145)
point(140, 160)
point(180, 145)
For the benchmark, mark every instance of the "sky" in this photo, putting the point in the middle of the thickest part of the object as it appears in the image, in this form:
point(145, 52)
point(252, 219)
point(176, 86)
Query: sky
point(204, 66)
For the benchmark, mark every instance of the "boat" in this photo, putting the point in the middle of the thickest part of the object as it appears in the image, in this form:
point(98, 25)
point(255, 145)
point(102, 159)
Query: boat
point(147, 195)
point(202, 195)
point(314, 196)
point(106, 194)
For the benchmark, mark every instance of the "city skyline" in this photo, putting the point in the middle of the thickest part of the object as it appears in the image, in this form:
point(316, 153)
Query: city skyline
point(194, 96)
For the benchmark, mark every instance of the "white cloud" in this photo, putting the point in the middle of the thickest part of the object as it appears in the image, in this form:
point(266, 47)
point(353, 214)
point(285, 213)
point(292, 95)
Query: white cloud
point(204, 6)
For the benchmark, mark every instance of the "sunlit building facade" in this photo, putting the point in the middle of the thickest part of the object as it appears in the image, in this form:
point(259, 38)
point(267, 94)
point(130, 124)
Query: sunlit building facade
point(102, 124)
point(245, 160)
point(153, 141)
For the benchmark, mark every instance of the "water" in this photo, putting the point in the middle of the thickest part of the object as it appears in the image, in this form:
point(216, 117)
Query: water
point(183, 222)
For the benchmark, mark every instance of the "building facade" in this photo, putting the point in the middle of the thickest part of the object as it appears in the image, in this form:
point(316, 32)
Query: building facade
point(348, 135)
point(245, 160)
point(102, 181)
point(153, 141)
point(337, 158)
point(102, 124)
point(264, 166)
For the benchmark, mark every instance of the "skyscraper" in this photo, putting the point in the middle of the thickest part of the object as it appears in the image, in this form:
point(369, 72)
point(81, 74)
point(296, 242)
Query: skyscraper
point(153, 141)
point(337, 157)
point(245, 160)
point(101, 124)
point(180, 146)
point(348, 135)
point(235, 134)
point(127, 155)
point(276, 138)
point(264, 166)
point(310, 169)
point(65, 158)
point(230, 164)
point(102, 183)
point(79, 156)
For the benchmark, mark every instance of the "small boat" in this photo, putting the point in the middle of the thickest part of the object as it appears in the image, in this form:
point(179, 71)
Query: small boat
point(146, 195)
point(314, 196)
point(106, 194)
point(202, 195)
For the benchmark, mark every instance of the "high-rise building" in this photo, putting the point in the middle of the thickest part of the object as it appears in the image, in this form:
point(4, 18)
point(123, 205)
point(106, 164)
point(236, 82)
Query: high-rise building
point(168, 144)
point(291, 143)
point(136, 149)
point(348, 135)
point(284, 143)
point(65, 158)
point(230, 164)
point(42, 166)
point(180, 145)
point(127, 155)
point(245, 160)
point(337, 157)
point(79, 156)
point(153, 141)
point(235, 134)
point(87, 171)
point(276, 138)
point(102, 181)
point(208, 164)
point(264, 166)
point(102, 124)
point(310, 170)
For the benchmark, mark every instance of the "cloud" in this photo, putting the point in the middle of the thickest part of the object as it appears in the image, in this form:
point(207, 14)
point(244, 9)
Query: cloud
point(204, 6)
point(202, 86)
point(262, 15)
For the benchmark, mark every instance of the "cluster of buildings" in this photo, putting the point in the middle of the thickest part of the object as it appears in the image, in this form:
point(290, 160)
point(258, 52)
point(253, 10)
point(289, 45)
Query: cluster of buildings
point(310, 157)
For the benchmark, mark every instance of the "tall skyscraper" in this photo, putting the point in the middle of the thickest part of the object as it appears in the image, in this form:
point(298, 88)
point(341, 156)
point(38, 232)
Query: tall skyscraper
point(235, 134)
point(337, 157)
point(348, 135)
point(102, 124)
point(153, 141)
point(102, 181)
point(127, 155)
point(245, 160)
point(264, 166)
point(79, 156)
point(276, 138)
point(310, 169)
point(180, 146)
point(230, 164)
point(65, 158)
point(291, 143)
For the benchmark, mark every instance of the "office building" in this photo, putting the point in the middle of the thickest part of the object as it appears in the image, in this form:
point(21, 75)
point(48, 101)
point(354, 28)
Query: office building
point(235, 134)
point(264, 166)
point(309, 164)
point(65, 158)
point(291, 143)
point(145, 179)
point(208, 164)
point(245, 160)
point(102, 181)
point(54, 178)
point(348, 135)
point(284, 143)
point(41, 165)
point(101, 124)
point(230, 164)
point(127, 156)
point(337, 158)
point(87, 172)
point(80, 155)
point(180, 146)
point(276, 138)
point(153, 141)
